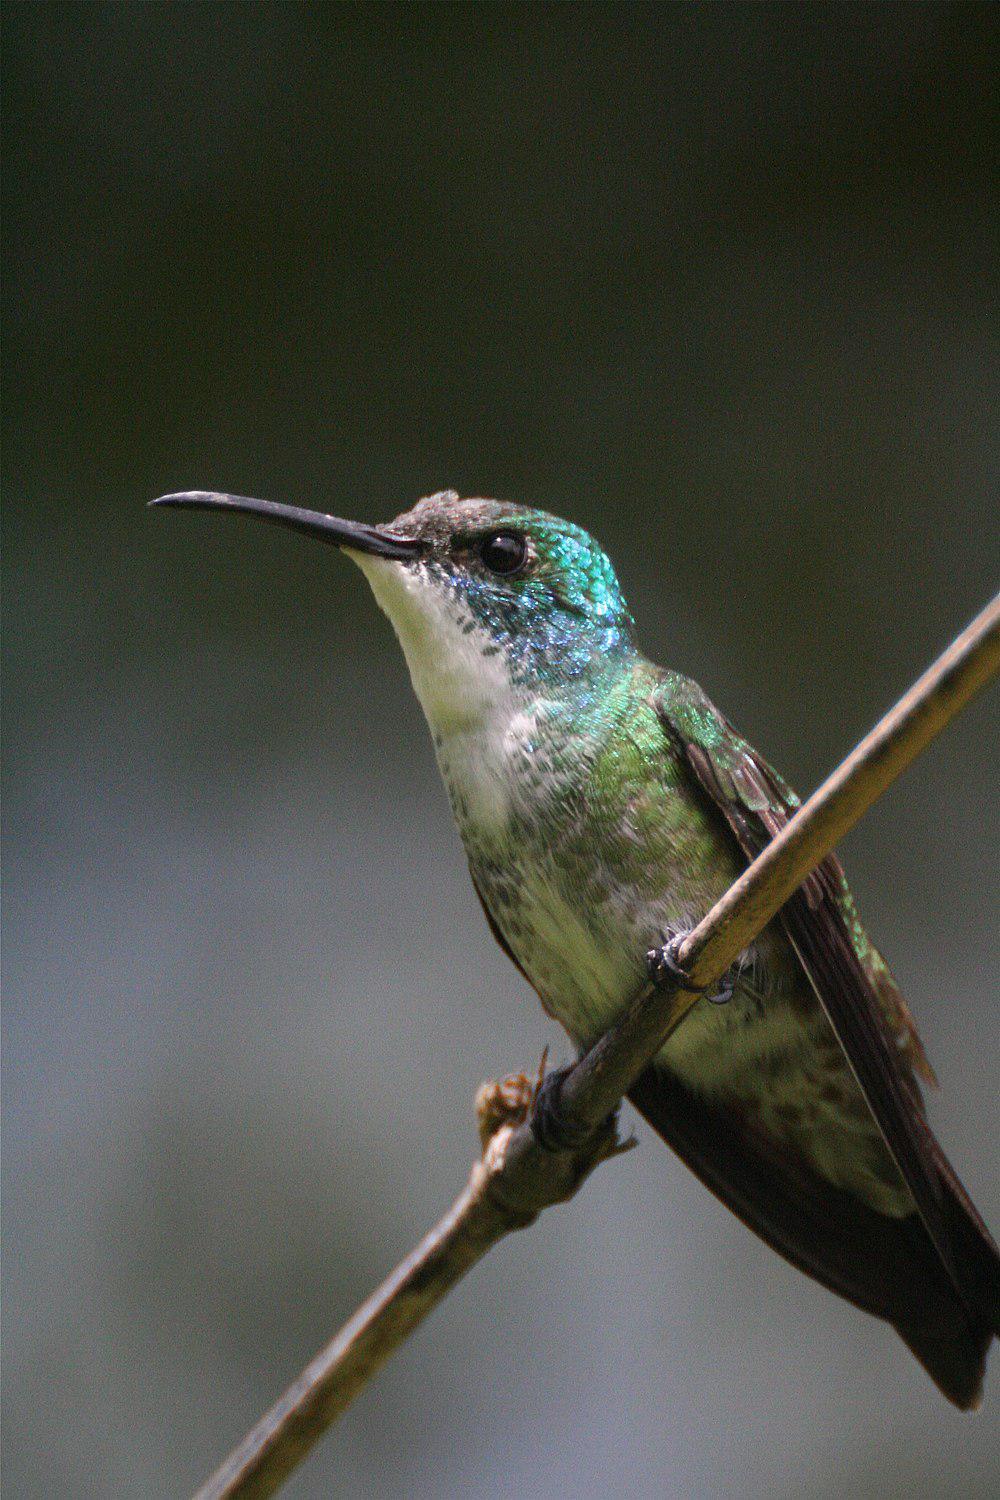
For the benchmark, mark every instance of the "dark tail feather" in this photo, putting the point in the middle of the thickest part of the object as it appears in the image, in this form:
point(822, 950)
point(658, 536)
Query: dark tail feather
point(953, 1353)
point(888, 1267)
point(947, 1327)
point(953, 1347)
point(977, 1258)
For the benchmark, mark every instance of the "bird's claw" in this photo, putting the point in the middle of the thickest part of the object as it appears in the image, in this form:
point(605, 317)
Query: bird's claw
point(554, 1132)
point(724, 993)
point(519, 1098)
point(664, 968)
point(549, 1124)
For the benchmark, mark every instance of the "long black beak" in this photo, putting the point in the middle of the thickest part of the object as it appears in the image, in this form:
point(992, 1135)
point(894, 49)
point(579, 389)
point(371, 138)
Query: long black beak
point(351, 534)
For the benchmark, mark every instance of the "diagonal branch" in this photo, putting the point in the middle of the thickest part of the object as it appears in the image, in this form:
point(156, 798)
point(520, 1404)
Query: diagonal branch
point(518, 1176)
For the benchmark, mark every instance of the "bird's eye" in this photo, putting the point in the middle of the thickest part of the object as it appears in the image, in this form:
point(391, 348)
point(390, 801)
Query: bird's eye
point(503, 551)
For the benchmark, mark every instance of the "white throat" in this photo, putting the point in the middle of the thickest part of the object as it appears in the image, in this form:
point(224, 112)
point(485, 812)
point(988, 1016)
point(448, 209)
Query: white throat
point(459, 687)
point(479, 720)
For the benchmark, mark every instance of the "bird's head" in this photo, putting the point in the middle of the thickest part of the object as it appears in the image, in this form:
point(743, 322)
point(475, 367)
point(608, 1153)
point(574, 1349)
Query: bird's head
point(486, 596)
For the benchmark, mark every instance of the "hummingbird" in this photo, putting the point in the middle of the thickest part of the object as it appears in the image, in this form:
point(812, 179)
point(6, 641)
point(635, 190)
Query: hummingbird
point(605, 804)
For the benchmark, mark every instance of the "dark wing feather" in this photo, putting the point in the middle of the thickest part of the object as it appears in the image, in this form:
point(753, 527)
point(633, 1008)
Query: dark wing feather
point(853, 985)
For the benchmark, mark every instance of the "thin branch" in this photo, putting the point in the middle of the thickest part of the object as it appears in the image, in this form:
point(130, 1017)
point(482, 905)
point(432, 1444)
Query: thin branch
point(517, 1176)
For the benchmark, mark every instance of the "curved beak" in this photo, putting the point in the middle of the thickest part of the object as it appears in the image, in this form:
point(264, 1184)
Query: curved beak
point(349, 534)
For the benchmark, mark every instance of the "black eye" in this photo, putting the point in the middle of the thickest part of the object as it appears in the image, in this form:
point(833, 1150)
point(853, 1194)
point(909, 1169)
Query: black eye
point(503, 551)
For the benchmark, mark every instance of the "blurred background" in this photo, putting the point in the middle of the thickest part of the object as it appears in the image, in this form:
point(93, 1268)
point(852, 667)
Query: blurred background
point(712, 280)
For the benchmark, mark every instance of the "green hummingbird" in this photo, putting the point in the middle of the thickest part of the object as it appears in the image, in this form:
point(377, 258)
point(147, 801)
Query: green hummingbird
point(604, 804)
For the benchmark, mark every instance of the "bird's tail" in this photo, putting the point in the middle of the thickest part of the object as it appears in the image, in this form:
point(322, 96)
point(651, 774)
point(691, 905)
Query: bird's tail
point(946, 1314)
point(951, 1334)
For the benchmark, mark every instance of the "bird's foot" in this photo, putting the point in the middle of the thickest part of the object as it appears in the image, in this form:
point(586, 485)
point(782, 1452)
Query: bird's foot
point(519, 1098)
point(664, 969)
point(549, 1124)
point(555, 1132)
point(727, 984)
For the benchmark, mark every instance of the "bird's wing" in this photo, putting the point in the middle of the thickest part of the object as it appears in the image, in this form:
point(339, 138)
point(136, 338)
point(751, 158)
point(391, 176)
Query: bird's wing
point(850, 979)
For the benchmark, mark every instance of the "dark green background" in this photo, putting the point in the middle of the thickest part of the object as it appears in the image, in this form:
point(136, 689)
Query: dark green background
point(714, 280)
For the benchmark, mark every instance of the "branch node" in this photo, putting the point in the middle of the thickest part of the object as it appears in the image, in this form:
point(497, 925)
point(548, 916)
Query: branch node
point(506, 1103)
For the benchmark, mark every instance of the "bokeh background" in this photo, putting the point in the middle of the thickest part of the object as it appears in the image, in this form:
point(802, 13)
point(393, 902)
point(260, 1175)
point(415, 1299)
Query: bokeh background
point(713, 280)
